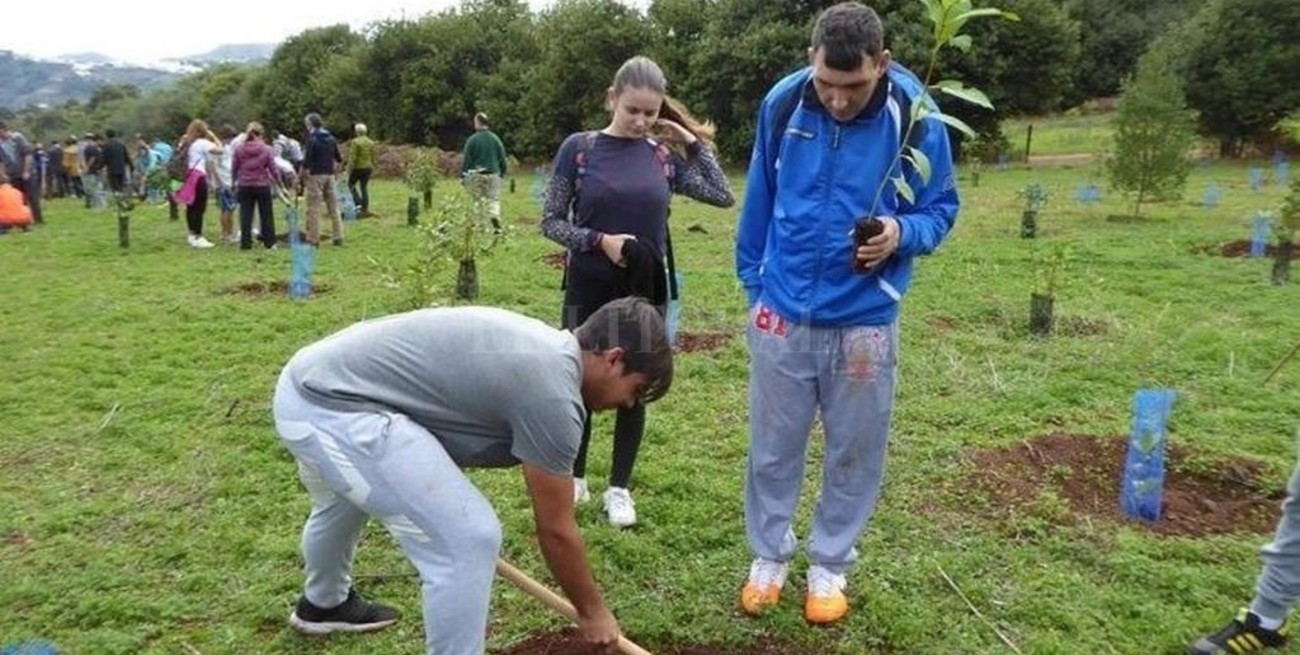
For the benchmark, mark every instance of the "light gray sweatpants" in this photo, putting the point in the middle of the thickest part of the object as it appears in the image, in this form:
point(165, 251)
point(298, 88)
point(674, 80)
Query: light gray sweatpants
point(1278, 587)
point(356, 465)
point(795, 370)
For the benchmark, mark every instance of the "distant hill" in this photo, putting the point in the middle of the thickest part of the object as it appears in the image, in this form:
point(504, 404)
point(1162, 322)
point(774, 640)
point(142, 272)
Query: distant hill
point(236, 52)
point(25, 81)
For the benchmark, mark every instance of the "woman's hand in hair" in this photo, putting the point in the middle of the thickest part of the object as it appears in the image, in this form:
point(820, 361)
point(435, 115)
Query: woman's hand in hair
point(672, 133)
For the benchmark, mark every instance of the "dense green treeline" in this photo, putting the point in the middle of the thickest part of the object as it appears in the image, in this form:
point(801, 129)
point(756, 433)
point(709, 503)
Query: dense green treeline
point(542, 75)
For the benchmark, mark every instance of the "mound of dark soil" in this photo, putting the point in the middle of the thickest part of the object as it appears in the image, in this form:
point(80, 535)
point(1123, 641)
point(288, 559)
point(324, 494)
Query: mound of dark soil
point(567, 643)
point(1241, 248)
point(691, 342)
point(1086, 472)
point(274, 287)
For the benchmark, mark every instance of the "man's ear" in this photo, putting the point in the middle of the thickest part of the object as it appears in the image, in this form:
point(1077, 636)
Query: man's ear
point(613, 356)
point(812, 54)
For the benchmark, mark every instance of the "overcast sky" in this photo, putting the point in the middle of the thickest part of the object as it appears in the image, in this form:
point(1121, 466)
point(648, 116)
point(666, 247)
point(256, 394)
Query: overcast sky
point(150, 30)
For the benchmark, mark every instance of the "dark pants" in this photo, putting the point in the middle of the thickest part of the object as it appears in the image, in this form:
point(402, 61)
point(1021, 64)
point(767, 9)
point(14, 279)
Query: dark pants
point(32, 196)
point(117, 181)
point(195, 210)
point(362, 200)
point(582, 297)
point(248, 198)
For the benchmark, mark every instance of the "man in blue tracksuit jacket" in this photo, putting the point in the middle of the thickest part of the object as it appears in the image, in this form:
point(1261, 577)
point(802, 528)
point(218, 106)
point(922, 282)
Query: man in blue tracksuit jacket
point(822, 335)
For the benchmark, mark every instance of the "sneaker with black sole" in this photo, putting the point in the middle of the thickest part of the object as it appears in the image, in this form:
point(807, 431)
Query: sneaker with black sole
point(355, 614)
point(1243, 635)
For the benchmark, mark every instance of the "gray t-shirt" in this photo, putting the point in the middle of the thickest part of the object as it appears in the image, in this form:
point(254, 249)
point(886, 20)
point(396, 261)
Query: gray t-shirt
point(494, 387)
point(13, 150)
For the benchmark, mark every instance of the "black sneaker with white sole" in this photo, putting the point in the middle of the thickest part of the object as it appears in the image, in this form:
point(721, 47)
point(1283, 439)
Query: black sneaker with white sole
point(1243, 635)
point(355, 614)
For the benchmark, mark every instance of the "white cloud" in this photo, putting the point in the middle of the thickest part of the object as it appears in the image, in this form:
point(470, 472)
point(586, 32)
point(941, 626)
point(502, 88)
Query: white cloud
point(152, 30)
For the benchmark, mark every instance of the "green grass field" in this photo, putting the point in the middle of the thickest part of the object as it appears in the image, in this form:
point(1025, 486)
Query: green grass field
point(147, 507)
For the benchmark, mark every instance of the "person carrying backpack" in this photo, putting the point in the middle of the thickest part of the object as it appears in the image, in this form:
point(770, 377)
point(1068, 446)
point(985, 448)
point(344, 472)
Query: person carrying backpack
point(320, 161)
point(823, 321)
point(607, 202)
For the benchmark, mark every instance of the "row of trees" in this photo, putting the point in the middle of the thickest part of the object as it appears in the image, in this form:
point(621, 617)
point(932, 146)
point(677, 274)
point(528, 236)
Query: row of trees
point(543, 75)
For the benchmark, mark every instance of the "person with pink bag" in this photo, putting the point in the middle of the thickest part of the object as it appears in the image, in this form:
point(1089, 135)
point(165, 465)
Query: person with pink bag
point(199, 143)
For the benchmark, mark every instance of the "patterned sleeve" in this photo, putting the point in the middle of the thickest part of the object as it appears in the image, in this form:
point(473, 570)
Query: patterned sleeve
point(559, 198)
point(699, 176)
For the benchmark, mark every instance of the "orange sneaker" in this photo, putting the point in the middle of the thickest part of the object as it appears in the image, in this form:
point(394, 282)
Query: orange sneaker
point(826, 602)
point(763, 588)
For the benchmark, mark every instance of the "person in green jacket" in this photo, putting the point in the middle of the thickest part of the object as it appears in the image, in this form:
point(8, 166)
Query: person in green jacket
point(361, 161)
point(483, 166)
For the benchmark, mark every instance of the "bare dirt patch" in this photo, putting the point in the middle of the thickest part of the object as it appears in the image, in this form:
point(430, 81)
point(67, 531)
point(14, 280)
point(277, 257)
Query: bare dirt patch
point(1080, 326)
point(554, 259)
point(271, 288)
point(567, 643)
point(1241, 248)
point(1224, 496)
point(17, 540)
point(692, 342)
point(1072, 159)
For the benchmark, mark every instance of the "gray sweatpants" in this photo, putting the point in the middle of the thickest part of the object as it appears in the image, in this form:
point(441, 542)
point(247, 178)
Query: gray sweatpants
point(357, 465)
point(1278, 587)
point(795, 370)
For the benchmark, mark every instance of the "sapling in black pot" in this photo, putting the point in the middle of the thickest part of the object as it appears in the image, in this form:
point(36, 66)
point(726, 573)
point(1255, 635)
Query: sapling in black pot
point(1035, 198)
point(1048, 268)
point(1288, 224)
point(947, 18)
point(124, 203)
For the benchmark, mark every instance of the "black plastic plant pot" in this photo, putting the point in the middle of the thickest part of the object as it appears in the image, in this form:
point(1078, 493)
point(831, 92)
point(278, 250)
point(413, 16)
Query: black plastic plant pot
point(467, 280)
point(412, 211)
point(864, 229)
point(428, 199)
point(124, 230)
point(1282, 262)
point(1028, 224)
point(1040, 314)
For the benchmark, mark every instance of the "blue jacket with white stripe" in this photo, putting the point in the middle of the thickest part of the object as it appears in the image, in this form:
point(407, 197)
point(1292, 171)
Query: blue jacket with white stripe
point(794, 245)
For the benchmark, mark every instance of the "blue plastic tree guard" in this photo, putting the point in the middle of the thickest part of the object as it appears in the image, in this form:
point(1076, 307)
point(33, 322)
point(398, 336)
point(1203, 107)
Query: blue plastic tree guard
point(674, 313)
point(1212, 196)
point(29, 648)
point(303, 257)
point(1256, 178)
point(347, 204)
point(1144, 467)
point(1004, 160)
point(1261, 230)
point(1282, 173)
point(540, 180)
point(1088, 195)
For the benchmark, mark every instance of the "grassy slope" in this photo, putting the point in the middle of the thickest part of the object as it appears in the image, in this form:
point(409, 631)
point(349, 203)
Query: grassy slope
point(176, 521)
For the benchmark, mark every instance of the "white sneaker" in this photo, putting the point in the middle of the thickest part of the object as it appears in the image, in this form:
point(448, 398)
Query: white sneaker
point(580, 492)
point(763, 587)
point(821, 582)
point(232, 239)
point(619, 507)
point(200, 242)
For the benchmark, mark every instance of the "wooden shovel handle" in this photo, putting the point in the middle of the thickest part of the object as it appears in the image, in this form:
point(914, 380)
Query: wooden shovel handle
point(555, 601)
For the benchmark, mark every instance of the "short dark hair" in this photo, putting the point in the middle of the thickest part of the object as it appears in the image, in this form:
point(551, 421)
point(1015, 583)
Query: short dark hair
point(847, 32)
point(112, 134)
point(636, 326)
point(313, 119)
